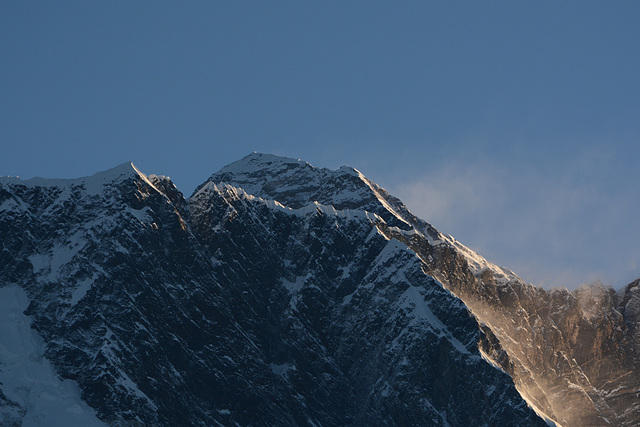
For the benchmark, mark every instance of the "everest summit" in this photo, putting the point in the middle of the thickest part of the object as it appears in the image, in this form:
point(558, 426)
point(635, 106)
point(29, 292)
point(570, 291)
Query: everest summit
point(283, 294)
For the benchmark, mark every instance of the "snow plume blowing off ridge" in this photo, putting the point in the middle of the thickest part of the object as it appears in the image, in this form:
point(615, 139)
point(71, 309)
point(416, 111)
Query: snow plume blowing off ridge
point(594, 298)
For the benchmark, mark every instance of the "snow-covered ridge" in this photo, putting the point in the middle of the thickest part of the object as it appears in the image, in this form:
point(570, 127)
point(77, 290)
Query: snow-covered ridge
point(226, 190)
point(296, 184)
point(258, 170)
point(266, 175)
point(112, 174)
point(164, 257)
point(256, 173)
point(257, 162)
point(93, 184)
point(478, 264)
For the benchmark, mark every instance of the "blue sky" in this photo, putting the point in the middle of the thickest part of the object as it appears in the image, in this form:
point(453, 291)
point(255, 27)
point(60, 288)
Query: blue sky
point(513, 126)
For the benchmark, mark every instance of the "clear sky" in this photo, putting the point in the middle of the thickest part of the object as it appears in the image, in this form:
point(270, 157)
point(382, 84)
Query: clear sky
point(514, 126)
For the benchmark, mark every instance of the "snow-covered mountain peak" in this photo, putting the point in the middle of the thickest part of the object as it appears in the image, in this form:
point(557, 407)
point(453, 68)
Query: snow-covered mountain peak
point(348, 170)
point(290, 181)
point(285, 294)
point(259, 169)
point(295, 184)
point(125, 171)
point(93, 184)
point(258, 161)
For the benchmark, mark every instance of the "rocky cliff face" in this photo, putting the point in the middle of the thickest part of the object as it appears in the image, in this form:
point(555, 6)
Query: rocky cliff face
point(573, 355)
point(229, 308)
point(283, 294)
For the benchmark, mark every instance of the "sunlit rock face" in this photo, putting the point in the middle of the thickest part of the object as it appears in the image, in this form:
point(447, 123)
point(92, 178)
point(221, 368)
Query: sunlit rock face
point(630, 307)
point(573, 362)
point(572, 355)
point(284, 294)
point(277, 294)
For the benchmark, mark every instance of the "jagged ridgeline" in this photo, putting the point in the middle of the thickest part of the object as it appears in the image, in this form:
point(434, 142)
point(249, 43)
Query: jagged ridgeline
point(282, 294)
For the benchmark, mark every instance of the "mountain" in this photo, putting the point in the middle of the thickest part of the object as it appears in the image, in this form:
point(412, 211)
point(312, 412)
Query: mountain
point(572, 355)
point(284, 294)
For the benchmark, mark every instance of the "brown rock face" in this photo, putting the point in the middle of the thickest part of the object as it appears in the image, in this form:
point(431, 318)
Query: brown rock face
point(572, 355)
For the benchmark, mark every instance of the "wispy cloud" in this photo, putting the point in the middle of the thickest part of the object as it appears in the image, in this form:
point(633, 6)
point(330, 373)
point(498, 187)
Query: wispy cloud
point(562, 223)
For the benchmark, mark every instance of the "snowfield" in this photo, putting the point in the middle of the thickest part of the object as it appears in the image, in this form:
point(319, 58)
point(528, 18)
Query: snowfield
point(26, 376)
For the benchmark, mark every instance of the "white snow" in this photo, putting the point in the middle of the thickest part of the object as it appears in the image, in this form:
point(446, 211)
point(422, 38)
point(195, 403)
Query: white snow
point(10, 205)
point(81, 290)
point(237, 193)
point(347, 300)
point(283, 369)
point(132, 388)
point(28, 378)
point(297, 284)
point(93, 184)
point(256, 162)
point(375, 190)
point(49, 266)
point(478, 264)
point(414, 300)
point(143, 215)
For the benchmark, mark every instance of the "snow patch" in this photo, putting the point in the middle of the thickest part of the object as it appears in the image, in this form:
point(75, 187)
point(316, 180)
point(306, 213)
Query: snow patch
point(414, 301)
point(237, 193)
point(10, 205)
point(297, 284)
point(28, 378)
point(93, 185)
point(48, 266)
point(81, 290)
point(283, 369)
